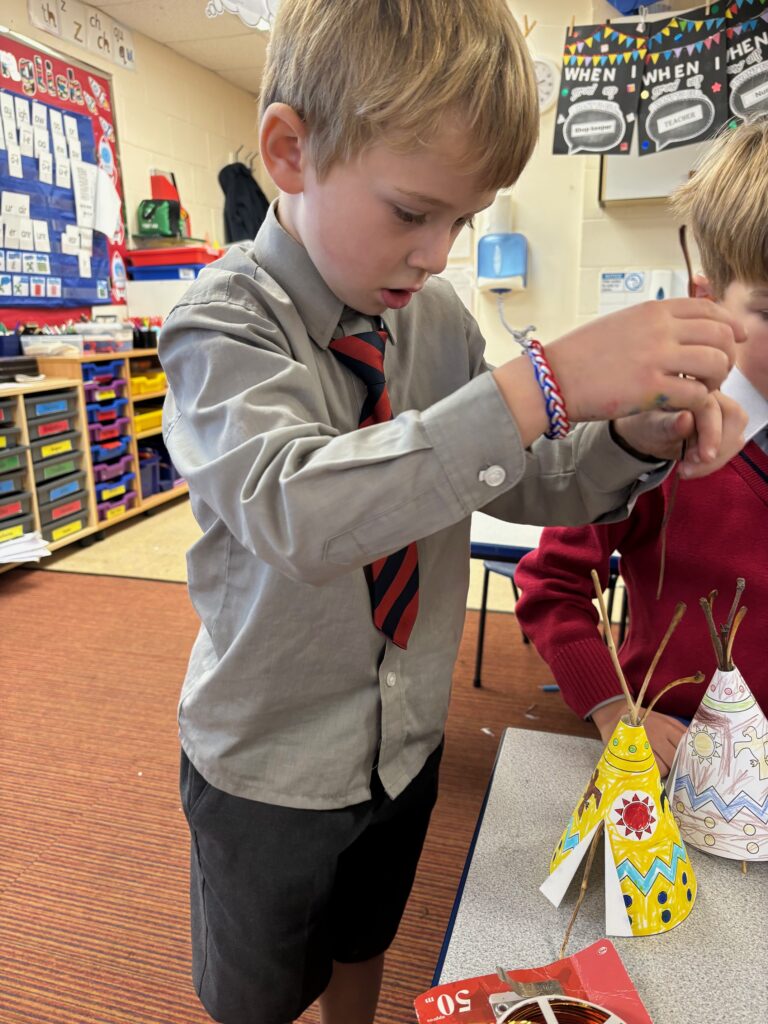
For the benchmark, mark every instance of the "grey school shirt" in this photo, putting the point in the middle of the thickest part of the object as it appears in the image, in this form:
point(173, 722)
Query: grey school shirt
point(292, 695)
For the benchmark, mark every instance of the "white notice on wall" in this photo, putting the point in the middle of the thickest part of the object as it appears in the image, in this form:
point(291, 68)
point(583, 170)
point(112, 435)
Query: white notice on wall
point(70, 127)
point(57, 124)
point(84, 264)
point(14, 163)
point(75, 153)
point(39, 116)
point(14, 204)
point(26, 235)
point(45, 172)
point(108, 205)
point(23, 115)
point(26, 140)
point(86, 239)
point(63, 175)
point(84, 185)
point(70, 240)
point(2, 134)
point(42, 141)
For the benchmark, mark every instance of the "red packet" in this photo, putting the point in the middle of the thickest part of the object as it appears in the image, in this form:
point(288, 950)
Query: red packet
point(596, 975)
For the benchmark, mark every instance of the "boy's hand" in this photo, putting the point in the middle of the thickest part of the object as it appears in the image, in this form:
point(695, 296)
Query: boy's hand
point(664, 732)
point(656, 355)
point(714, 432)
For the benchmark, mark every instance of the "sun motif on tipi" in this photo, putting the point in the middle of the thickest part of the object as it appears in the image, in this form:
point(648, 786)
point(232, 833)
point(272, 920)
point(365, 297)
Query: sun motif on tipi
point(704, 744)
point(635, 814)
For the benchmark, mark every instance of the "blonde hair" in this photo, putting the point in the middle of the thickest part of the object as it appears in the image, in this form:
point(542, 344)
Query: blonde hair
point(726, 204)
point(360, 72)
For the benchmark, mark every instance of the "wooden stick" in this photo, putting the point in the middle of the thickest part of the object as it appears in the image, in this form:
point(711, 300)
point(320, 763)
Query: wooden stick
point(612, 646)
point(679, 613)
point(706, 607)
point(583, 889)
point(528, 28)
point(698, 678)
point(572, 26)
point(743, 867)
point(734, 628)
point(740, 585)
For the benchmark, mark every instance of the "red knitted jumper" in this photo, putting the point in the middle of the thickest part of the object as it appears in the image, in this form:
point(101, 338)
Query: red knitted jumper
point(715, 534)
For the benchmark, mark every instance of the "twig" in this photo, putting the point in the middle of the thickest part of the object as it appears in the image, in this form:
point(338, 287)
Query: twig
point(706, 607)
point(679, 613)
point(734, 628)
point(698, 678)
point(743, 867)
point(528, 28)
point(583, 889)
point(665, 522)
point(612, 646)
point(740, 585)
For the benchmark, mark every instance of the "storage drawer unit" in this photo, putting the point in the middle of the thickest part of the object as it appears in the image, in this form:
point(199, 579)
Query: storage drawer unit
point(6, 411)
point(10, 529)
point(102, 373)
point(50, 426)
point(99, 432)
point(12, 459)
point(11, 483)
point(62, 465)
point(112, 509)
point(148, 384)
point(62, 528)
point(109, 470)
point(15, 505)
point(152, 419)
point(9, 437)
point(50, 403)
point(95, 392)
point(110, 449)
point(50, 447)
point(111, 489)
point(107, 412)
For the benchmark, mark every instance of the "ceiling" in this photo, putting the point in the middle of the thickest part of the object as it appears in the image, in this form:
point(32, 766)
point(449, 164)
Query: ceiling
point(223, 44)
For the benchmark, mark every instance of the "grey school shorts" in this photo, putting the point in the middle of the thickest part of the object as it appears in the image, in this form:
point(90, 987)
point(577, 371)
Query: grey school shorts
point(277, 894)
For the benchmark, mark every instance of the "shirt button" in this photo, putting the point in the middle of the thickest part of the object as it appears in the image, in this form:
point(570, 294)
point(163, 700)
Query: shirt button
point(493, 476)
point(391, 678)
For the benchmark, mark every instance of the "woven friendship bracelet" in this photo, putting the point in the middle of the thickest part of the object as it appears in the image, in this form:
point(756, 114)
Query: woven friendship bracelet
point(559, 424)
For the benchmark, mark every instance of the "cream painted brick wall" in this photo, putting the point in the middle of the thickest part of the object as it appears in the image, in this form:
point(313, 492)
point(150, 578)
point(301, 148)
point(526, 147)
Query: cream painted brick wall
point(170, 114)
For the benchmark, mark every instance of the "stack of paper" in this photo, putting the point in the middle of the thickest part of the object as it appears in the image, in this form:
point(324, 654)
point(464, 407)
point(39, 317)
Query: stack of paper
point(30, 547)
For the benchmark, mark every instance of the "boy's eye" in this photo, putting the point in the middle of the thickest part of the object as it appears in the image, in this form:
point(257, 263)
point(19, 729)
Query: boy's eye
point(465, 222)
point(409, 218)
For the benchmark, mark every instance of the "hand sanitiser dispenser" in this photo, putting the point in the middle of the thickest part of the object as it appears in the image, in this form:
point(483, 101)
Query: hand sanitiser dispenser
point(502, 262)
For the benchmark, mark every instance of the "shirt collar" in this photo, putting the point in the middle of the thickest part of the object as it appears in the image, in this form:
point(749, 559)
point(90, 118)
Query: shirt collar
point(737, 386)
point(289, 263)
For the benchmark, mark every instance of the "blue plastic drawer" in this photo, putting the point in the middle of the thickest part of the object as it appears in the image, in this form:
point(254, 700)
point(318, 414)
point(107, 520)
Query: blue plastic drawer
point(107, 413)
point(110, 449)
point(111, 489)
point(166, 272)
point(102, 373)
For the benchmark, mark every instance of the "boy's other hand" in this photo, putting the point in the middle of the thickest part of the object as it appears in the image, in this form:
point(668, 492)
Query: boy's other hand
point(656, 355)
point(714, 434)
point(664, 732)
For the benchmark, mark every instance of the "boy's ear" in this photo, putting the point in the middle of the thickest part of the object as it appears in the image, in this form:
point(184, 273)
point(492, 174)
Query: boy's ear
point(702, 287)
point(282, 141)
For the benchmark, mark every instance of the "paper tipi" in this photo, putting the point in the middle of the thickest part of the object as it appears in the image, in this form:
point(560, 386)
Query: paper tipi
point(650, 885)
point(719, 780)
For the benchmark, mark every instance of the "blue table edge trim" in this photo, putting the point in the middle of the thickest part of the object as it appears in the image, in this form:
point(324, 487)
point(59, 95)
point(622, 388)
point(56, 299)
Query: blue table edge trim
point(465, 871)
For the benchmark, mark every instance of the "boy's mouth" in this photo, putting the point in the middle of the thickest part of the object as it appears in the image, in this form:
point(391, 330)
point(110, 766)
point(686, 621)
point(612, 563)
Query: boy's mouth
point(397, 298)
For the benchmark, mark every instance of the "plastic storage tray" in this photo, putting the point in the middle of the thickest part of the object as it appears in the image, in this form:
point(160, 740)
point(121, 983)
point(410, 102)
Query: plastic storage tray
point(110, 449)
point(166, 272)
point(171, 254)
point(6, 411)
point(112, 509)
point(102, 373)
point(152, 419)
point(15, 505)
point(63, 465)
point(50, 426)
point(50, 447)
point(73, 504)
point(11, 483)
point(12, 459)
point(9, 438)
point(106, 413)
point(149, 470)
point(65, 527)
point(149, 383)
point(169, 476)
point(109, 470)
point(13, 528)
point(95, 392)
point(60, 488)
point(107, 431)
point(50, 403)
point(111, 489)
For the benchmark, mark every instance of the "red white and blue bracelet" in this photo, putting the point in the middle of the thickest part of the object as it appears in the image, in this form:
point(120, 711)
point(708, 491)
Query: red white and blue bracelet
point(559, 424)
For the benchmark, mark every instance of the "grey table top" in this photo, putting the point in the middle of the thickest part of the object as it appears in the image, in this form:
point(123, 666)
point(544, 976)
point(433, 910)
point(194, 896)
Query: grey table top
point(713, 966)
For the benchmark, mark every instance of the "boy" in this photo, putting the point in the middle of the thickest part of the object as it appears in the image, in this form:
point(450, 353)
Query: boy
point(714, 534)
point(313, 710)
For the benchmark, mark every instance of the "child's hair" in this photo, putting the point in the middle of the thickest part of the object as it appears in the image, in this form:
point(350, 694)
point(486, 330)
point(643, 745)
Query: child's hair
point(726, 205)
point(360, 72)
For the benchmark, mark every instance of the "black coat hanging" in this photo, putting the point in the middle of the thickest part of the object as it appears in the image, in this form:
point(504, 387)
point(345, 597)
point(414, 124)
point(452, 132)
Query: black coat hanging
point(245, 205)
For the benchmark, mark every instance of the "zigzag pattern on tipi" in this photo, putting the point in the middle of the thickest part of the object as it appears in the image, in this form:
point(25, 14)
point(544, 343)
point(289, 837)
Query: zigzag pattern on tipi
point(729, 810)
point(644, 882)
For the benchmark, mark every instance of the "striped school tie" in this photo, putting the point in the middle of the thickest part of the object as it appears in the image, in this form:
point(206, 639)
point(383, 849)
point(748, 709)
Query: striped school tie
point(393, 581)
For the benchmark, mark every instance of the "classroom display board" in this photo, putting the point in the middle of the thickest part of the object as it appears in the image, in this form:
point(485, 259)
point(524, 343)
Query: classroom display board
point(62, 227)
point(680, 81)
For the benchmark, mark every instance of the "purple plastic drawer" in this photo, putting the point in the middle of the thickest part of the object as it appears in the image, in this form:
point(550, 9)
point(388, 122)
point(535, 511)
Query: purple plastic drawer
point(109, 470)
point(96, 392)
point(112, 509)
point(107, 431)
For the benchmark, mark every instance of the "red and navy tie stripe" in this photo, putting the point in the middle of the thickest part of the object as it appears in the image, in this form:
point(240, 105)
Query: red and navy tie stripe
point(393, 580)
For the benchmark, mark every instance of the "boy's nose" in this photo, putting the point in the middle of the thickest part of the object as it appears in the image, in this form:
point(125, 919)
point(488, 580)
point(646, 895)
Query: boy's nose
point(432, 255)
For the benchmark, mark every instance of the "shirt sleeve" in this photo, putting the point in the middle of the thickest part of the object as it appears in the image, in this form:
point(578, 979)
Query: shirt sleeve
point(556, 611)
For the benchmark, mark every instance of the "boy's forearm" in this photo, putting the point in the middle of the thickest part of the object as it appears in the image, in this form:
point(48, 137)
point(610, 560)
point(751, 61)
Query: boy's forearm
point(517, 385)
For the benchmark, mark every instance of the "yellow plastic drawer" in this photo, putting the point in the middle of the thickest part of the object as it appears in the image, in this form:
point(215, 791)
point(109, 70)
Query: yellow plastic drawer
point(150, 420)
point(149, 384)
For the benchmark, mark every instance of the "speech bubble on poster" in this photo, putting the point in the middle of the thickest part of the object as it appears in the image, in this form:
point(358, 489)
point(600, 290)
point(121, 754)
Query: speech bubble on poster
point(749, 92)
point(678, 117)
point(594, 126)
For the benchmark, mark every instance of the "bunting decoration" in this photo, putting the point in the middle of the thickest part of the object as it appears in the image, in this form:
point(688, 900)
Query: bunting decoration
point(680, 81)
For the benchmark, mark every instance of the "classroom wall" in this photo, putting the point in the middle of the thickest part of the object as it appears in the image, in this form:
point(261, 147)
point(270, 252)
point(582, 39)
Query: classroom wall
point(171, 114)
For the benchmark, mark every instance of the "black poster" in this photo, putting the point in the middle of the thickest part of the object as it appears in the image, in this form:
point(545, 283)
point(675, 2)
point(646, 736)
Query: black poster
point(684, 94)
point(599, 90)
point(747, 65)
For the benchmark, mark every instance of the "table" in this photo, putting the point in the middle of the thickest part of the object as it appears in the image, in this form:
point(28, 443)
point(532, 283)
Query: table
point(503, 542)
point(710, 967)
